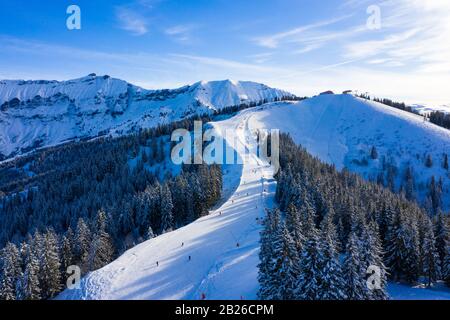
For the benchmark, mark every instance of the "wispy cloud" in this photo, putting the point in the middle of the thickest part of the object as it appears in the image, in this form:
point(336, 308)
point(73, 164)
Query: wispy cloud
point(413, 33)
point(292, 35)
point(181, 33)
point(131, 21)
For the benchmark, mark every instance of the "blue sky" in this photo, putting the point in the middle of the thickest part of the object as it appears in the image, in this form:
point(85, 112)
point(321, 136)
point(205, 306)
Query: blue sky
point(303, 46)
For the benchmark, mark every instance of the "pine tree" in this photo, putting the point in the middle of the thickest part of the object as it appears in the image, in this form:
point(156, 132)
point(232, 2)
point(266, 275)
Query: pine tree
point(442, 233)
point(286, 263)
point(311, 262)
point(294, 226)
point(354, 275)
point(29, 282)
point(101, 250)
point(446, 266)
point(374, 153)
point(50, 266)
point(67, 250)
point(10, 272)
point(430, 260)
point(82, 244)
point(429, 161)
point(372, 256)
point(332, 284)
point(166, 209)
point(402, 249)
point(268, 281)
point(149, 235)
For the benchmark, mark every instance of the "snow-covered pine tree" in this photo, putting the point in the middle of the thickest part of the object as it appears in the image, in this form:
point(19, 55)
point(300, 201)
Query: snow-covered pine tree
point(101, 250)
point(402, 248)
point(311, 262)
point(430, 256)
point(166, 209)
point(29, 288)
point(332, 284)
point(268, 281)
point(149, 235)
point(10, 271)
point(286, 265)
point(294, 226)
point(67, 250)
point(82, 243)
point(50, 272)
point(372, 256)
point(446, 266)
point(442, 233)
point(354, 275)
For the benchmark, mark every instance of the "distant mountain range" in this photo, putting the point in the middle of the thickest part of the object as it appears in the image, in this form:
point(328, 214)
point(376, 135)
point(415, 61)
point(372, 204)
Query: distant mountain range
point(35, 114)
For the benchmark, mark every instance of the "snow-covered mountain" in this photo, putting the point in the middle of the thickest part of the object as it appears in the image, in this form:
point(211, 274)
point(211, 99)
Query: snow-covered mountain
point(42, 113)
point(339, 129)
point(342, 129)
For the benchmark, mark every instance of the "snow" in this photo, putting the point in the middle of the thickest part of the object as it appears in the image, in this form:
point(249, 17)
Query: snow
point(426, 109)
point(341, 130)
point(52, 112)
point(219, 268)
point(335, 128)
point(404, 292)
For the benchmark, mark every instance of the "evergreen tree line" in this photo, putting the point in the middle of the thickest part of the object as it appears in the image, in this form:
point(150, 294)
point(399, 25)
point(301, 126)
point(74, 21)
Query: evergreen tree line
point(71, 184)
point(389, 172)
point(337, 236)
point(439, 118)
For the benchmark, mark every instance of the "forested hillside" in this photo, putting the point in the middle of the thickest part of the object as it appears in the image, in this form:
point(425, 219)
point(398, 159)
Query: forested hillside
point(332, 226)
point(86, 203)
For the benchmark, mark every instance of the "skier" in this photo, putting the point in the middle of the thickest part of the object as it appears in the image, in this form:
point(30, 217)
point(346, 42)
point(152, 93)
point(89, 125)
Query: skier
point(237, 244)
point(203, 296)
point(182, 244)
point(157, 263)
point(189, 258)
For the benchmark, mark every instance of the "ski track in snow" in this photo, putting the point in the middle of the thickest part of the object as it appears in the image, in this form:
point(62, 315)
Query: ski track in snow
point(224, 246)
point(220, 269)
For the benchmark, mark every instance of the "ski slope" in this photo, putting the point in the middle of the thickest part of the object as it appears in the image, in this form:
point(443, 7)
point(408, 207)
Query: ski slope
point(342, 129)
point(223, 246)
point(338, 129)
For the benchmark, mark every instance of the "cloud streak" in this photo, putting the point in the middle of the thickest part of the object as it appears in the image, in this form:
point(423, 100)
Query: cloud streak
point(273, 41)
point(131, 21)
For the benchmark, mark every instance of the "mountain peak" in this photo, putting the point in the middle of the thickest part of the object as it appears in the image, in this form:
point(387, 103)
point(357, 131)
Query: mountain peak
point(90, 105)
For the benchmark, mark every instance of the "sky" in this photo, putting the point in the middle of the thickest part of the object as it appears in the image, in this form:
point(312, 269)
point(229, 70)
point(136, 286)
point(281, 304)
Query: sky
point(390, 48)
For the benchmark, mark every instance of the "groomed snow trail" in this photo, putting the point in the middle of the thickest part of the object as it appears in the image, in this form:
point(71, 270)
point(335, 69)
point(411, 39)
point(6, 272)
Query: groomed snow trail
point(223, 246)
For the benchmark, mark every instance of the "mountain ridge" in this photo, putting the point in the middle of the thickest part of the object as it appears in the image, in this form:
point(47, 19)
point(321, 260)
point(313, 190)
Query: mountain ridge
point(40, 113)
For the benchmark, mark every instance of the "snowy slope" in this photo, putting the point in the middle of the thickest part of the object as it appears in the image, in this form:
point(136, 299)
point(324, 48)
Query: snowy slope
point(342, 129)
point(426, 109)
point(42, 113)
point(219, 268)
point(336, 129)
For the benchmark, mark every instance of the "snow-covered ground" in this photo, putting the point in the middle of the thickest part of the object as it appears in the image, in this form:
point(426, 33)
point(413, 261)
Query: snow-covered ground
point(338, 129)
point(342, 129)
point(223, 246)
point(42, 113)
point(404, 292)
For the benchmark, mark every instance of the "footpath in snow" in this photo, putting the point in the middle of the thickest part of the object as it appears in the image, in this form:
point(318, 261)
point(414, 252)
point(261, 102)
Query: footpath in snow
point(215, 257)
